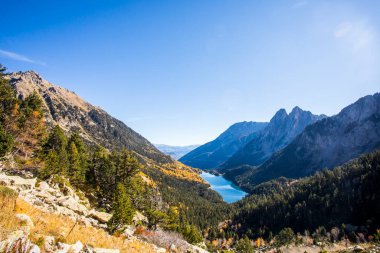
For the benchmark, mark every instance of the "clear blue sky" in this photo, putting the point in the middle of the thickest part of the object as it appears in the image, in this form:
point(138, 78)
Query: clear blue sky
point(180, 72)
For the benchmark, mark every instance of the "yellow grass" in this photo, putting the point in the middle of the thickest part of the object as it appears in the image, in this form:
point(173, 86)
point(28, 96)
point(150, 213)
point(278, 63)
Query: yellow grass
point(62, 228)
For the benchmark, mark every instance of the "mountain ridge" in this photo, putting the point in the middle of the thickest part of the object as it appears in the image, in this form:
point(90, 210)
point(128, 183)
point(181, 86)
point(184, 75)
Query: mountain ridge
point(330, 142)
point(72, 113)
point(280, 131)
point(214, 153)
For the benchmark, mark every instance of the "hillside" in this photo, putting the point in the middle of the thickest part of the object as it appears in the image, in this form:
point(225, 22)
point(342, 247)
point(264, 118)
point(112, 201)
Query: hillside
point(175, 152)
point(324, 144)
point(280, 131)
point(216, 152)
point(331, 198)
point(72, 113)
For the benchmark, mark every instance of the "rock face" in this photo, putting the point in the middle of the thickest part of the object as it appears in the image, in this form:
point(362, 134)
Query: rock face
point(327, 143)
point(73, 113)
point(216, 152)
point(280, 131)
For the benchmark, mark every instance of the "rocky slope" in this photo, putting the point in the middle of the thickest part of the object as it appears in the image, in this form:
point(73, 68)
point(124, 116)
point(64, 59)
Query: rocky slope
point(175, 152)
point(216, 152)
point(280, 131)
point(327, 143)
point(71, 112)
point(70, 212)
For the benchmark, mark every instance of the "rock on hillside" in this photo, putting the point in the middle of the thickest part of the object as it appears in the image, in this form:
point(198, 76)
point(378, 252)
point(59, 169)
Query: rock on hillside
point(216, 152)
point(327, 143)
point(72, 112)
point(280, 131)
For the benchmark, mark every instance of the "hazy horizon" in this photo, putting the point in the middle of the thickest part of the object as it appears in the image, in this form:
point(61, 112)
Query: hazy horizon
point(180, 73)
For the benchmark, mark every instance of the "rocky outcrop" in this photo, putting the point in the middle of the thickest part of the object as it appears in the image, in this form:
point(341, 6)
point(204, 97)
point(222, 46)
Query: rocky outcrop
point(19, 242)
point(55, 198)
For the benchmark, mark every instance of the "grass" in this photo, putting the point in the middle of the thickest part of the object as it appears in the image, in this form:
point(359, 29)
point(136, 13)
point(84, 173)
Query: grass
point(62, 228)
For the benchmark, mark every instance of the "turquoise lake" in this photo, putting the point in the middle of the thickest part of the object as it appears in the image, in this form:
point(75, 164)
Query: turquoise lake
point(228, 190)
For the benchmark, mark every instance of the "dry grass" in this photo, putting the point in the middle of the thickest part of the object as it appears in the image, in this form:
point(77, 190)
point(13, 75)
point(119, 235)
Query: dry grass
point(61, 227)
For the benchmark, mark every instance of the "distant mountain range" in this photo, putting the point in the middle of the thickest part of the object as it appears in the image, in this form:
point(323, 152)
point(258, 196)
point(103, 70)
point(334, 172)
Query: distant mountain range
point(291, 145)
point(327, 143)
point(280, 131)
point(214, 153)
point(175, 152)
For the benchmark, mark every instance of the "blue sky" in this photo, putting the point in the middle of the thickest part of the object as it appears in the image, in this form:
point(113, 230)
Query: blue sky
point(180, 72)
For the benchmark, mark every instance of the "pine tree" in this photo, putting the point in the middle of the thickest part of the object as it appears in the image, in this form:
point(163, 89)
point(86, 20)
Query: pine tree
point(6, 142)
point(78, 156)
point(51, 166)
point(75, 171)
point(122, 209)
point(57, 141)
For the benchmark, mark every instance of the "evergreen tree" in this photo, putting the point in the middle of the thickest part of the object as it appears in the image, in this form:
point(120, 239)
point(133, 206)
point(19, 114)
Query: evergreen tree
point(7, 95)
point(51, 165)
point(75, 171)
point(122, 209)
point(78, 156)
point(6, 142)
point(57, 142)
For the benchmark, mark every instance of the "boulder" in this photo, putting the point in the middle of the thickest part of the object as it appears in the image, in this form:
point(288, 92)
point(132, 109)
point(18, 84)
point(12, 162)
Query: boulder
point(62, 248)
point(43, 186)
point(72, 204)
point(17, 183)
point(25, 219)
point(77, 247)
point(18, 242)
point(49, 242)
point(100, 216)
point(139, 218)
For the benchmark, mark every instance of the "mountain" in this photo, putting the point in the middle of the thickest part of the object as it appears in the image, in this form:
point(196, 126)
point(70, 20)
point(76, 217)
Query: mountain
point(327, 143)
point(175, 152)
point(216, 152)
point(71, 112)
point(280, 131)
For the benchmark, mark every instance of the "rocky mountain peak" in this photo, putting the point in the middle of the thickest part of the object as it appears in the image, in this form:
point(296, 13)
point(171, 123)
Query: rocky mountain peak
point(279, 116)
point(71, 112)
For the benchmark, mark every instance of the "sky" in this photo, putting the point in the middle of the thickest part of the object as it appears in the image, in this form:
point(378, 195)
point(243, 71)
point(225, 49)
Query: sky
point(181, 72)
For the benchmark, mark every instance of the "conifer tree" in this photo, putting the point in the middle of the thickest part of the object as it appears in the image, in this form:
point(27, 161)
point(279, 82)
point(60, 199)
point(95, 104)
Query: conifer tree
point(122, 209)
point(57, 142)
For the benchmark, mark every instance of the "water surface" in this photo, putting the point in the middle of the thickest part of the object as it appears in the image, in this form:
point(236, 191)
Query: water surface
point(227, 189)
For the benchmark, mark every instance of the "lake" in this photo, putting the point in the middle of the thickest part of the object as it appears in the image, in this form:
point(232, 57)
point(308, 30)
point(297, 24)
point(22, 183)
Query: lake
point(227, 189)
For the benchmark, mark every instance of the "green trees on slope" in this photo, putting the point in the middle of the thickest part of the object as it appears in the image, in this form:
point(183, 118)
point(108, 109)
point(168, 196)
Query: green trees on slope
point(346, 195)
